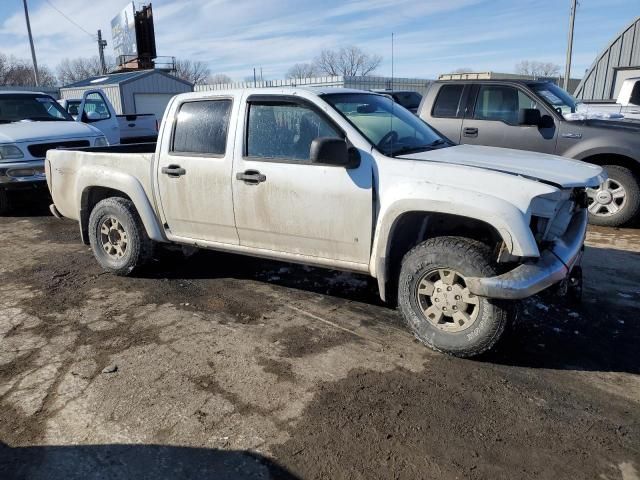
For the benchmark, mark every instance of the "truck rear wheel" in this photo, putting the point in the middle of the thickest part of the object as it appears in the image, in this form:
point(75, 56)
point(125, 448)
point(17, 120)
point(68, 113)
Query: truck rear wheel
point(437, 304)
point(118, 238)
point(617, 201)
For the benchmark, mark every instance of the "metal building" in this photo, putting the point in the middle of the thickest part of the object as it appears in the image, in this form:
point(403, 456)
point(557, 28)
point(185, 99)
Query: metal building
point(619, 61)
point(419, 85)
point(141, 91)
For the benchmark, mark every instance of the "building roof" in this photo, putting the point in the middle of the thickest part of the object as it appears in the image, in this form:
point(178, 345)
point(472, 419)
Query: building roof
point(623, 51)
point(119, 79)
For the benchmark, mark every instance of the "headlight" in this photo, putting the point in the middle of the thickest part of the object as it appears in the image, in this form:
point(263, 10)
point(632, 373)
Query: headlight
point(100, 142)
point(10, 152)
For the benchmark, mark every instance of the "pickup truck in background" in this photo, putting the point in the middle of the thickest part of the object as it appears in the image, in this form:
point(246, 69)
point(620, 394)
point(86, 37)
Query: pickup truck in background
point(344, 179)
point(30, 124)
point(627, 104)
point(541, 117)
point(98, 111)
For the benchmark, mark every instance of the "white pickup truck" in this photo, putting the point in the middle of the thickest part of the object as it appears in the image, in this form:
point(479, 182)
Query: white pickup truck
point(95, 109)
point(626, 106)
point(344, 179)
point(30, 124)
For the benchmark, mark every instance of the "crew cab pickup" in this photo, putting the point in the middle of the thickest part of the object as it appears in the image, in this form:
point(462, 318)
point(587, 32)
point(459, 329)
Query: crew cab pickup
point(30, 124)
point(542, 117)
point(344, 179)
point(96, 109)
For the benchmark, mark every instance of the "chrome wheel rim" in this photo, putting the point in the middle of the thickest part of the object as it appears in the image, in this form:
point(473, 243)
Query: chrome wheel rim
point(608, 199)
point(113, 238)
point(445, 301)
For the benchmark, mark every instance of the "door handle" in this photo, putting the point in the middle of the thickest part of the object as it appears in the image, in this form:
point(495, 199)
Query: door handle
point(470, 132)
point(252, 177)
point(173, 171)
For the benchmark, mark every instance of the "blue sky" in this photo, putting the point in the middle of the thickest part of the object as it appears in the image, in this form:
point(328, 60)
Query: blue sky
point(432, 36)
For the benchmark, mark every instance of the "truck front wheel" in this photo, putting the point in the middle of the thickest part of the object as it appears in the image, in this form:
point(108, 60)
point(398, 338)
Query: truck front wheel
point(118, 238)
point(617, 201)
point(437, 304)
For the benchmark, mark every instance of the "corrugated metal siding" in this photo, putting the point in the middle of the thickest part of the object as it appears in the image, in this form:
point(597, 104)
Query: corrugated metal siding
point(624, 51)
point(154, 83)
point(112, 92)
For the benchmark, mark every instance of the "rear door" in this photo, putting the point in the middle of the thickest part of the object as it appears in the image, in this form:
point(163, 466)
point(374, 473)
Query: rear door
point(493, 120)
point(98, 112)
point(194, 171)
point(447, 111)
point(283, 202)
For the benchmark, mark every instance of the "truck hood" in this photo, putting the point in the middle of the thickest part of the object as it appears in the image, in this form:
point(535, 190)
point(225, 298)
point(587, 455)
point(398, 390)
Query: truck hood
point(553, 169)
point(627, 124)
point(38, 131)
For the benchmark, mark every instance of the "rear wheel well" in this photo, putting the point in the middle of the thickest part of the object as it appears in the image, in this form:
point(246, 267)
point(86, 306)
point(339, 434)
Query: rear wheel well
point(90, 198)
point(602, 159)
point(412, 228)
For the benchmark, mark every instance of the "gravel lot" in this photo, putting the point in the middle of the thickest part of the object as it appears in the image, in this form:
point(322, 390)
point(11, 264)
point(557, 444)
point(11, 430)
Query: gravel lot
point(220, 366)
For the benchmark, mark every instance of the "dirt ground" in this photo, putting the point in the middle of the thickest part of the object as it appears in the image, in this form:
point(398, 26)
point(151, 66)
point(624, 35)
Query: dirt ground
point(220, 366)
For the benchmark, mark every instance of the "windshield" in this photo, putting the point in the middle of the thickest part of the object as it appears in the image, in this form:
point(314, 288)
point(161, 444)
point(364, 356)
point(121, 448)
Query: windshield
point(17, 107)
point(555, 96)
point(391, 128)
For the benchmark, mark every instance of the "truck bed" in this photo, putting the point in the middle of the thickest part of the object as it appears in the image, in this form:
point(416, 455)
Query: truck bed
point(70, 172)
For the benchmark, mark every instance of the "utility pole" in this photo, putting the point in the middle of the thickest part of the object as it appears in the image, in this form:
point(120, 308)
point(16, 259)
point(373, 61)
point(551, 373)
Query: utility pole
point(101, 44)
point(36, 75)
point(572, 22)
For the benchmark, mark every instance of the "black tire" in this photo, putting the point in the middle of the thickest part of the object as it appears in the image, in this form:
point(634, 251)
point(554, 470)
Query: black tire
point(137, 250)
point(4, 202)
point(468, 258)
point(631, 206)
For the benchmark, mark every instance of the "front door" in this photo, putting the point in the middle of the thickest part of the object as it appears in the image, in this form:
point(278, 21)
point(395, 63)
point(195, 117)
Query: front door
point(194, 175)
point(494, 121)
point(283, 202)
point(97, 111)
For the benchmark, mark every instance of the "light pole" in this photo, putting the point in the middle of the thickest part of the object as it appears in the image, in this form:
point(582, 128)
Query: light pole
point(572, 22)
point(33, 50)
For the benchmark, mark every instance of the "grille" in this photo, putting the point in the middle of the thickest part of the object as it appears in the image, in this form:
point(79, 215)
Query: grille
point(39, 150)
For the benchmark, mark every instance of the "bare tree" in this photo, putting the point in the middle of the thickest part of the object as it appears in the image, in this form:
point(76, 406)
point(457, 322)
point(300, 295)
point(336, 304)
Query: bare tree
point(192, 71)
point(19, 72)
point(76, 69)
point(302, 70)
point(537, 69)
point(219, 78)
point(347, 61)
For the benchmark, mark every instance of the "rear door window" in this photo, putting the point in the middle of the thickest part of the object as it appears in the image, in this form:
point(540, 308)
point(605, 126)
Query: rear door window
point(447, 103)
point(202, 127)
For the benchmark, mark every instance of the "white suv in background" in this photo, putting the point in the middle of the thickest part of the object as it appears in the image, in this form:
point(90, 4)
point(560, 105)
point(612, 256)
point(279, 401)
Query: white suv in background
point(30, 124)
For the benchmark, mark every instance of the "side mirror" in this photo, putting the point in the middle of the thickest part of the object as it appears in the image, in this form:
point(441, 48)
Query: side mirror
point(546, 121)
point(529, 117)
point(93, 116)
point(333, 151)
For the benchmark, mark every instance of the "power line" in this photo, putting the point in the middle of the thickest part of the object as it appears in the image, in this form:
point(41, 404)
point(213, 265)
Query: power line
point(69, 19)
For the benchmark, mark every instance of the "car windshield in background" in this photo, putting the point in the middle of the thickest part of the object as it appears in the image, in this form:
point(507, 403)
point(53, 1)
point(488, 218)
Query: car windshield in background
point(556, 97)
point(391, 128)
point(18, 107)
point(407, 99)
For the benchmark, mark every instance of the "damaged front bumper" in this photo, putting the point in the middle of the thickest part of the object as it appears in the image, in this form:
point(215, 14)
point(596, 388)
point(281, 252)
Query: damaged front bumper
point(553, 266)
